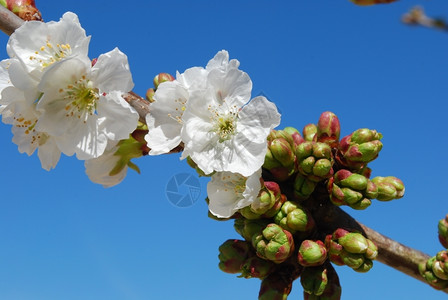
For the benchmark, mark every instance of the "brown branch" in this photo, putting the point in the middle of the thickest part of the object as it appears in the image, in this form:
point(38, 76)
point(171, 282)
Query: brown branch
point(417, 17)
point(9, 22)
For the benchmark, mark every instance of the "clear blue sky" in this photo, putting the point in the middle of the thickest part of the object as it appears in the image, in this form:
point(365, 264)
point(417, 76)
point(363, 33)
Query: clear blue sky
point(63, 237)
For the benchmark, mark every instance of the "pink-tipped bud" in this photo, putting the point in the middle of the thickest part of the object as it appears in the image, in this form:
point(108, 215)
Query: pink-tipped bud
point(328, 129)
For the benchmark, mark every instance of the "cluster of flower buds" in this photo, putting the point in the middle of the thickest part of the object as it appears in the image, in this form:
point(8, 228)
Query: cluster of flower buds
point(305, 175)
point(435, 270)
point(351, 249)
point(443, 231)
point(274, 243)
point(280, 158)
point(236, 256)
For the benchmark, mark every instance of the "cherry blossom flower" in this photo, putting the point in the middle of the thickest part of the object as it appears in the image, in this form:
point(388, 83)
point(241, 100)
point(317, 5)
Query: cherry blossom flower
point(82, 106)
point(171, 100)
point(19, 109)
point(228, 192)
point(221, 134)
point(38, 45)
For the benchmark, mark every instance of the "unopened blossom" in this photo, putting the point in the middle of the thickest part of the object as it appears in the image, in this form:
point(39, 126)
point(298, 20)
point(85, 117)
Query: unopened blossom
point(228, 192)
point(82, 106)
point(99, 170)
point(171, 101)
point(38, 45)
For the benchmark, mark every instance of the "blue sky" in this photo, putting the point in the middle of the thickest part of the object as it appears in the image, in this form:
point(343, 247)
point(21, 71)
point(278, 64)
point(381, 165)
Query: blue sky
point(64, 237)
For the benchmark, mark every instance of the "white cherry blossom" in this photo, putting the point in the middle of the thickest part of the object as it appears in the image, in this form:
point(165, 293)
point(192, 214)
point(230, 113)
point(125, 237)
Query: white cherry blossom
point(38, 45)
point(221, 134)
point(171, 101)
point(83, 107)
point(228, 192)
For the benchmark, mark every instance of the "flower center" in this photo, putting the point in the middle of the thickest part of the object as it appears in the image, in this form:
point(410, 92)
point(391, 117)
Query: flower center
point(29, 129)
point(49, 54)
point(82, 96)
point(235, 182)
point(224, 123)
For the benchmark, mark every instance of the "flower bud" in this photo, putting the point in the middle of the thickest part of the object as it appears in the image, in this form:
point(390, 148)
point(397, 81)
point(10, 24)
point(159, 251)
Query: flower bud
point(389, 188)
point(354, 190)
point(354, 242)
point(314, 280)
point(232, 255)
point(351, 249)
point(275, 243)
point(275, 287)
point(443, 231)
point(255, 267)
point(294, 217)
point(162, 77)
point(24, 9)
point(295, 134)
point(315, 160)
point(281, 150)
point(328, 129)
point(426, 269)
point(332, 289)
point(309, 131)
point(150, 95)
point(303, 187)
point(312, 253)
point(359, 148)
point(248, 228)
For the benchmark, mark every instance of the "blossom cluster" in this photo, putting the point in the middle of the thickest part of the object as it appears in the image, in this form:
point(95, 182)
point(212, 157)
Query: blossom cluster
point(58, 100)
point(223, 131)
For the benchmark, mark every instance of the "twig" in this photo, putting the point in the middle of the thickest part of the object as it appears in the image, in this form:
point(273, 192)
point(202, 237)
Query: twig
point(9, 22)
point(417, 16)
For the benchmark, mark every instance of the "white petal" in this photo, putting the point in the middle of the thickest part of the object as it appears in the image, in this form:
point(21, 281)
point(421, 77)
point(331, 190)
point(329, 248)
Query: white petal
point(49, 154)
point(120, 119)
point(98, 169)
point(227, 194)
point(111, 72)
point(165, 119)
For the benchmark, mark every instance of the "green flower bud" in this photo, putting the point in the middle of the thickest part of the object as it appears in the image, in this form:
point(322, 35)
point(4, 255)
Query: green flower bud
point(309, 131)
point(294, 217)
point(427, 272)
point(351, 249)
point(303, 187)
point(150, 95)
point(274, 244)
point(354, 242)
point(162, 77)
point(314, 160)
point(359, 148)
point(328, 129)
point(389, 188)
point(314, 280)
point(248, 228)
point(282, 152)
point(232, 255)
point(275, 287)
point(332, 289)
point(354, 190)
point(295, 134)
point(312, 253)
point(255, 267)
point(443, 231)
